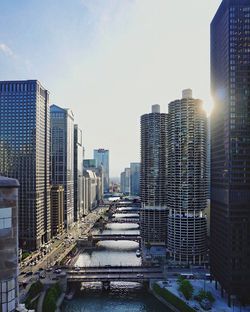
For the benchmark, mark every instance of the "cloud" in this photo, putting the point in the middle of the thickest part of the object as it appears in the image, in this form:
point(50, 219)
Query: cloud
point(6, 50)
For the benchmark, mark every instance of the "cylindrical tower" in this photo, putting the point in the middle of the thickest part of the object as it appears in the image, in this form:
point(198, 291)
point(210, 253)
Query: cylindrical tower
point(153, 215)
point(154, 158)
point(187, 187)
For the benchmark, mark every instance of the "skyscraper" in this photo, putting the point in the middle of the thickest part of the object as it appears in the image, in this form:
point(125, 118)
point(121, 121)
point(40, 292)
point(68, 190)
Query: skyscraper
point(102, 159)
point(125, 181)
point(24, 148)
point(230, 148)
point(62, 156)
point(153, 214)
point(78, 173)
point(8, 244)
point(187, 175)
point(135, 173)
point(154, 158)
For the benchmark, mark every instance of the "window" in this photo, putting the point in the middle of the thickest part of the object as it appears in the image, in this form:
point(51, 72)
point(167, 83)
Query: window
point(5, 218)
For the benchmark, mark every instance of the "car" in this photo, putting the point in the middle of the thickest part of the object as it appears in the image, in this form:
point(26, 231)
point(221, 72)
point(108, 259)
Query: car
point(55, 278)
point(40, 269)
point(29, 273)
point(49, 269)
point(77, 268)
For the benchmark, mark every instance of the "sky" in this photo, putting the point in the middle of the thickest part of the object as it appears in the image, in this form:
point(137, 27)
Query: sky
point(109, 61)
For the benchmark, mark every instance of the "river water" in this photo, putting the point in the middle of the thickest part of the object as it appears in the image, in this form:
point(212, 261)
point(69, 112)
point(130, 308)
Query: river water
point(122, 297)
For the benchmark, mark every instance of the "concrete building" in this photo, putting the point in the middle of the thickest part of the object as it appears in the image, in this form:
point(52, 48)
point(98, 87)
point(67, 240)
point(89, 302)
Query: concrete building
point(187, 185)
point(153, 221)
point(8, 244)
point(78, 174)
point(230, 149)
point(125, 181)
point(62, 157)
point(153, 225)
point(24, 155)
point(102, 159)
point(154, 158)
point(57, 209)
point(91, 189)
point(135, 173)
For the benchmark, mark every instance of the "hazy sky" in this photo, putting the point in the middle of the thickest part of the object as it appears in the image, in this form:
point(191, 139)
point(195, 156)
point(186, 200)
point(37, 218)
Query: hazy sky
point(109, 60)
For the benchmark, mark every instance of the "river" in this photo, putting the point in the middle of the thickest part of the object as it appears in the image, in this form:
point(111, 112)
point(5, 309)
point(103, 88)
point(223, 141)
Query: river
point(122, 297)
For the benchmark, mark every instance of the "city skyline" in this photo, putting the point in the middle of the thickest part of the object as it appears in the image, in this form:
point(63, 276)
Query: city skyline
point(78, 67)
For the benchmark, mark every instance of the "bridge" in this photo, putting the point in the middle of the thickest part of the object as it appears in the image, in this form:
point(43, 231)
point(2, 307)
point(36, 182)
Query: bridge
point(127, 204)
point(128, 209)
point(107, 274)
point(125, 220)
point(104, 237)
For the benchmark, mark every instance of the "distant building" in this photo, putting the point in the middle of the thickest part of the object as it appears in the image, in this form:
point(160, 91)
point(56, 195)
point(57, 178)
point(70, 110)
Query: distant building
point(230, 149)
point(102, 159)
point(135, 173)
point(62, 157)
point(24, 155)
point(78, 173)
point(92, 190)
point(187, 179)
point(89, 163)
point(8, 244)
point(153, 183)
point(57, 209)
point(125, 181)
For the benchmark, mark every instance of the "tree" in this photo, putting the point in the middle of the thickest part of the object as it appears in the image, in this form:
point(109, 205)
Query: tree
point(186, 288)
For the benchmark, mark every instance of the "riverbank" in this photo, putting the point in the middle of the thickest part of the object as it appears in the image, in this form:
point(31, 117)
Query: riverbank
point(169, 299)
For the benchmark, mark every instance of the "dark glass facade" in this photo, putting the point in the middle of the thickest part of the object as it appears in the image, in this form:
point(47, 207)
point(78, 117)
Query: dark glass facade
point(230, 148)
point(24, 155)
point(78, 173)
point(62, 157)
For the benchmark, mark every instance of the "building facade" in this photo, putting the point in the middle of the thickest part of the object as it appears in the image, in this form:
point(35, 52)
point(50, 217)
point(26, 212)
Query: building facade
point(78, 173)
point(135, 173)
point(154, 158)
point(153, 183)
point(187, 172)
point(102, 159)
point(24, 149)
point(230, 148)
point(125, 181)
point(57, 209)
point(8, 244)
point(62, 157)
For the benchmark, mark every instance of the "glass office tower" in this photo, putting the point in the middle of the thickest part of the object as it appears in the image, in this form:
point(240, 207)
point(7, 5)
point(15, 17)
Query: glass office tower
point(24, 154)
point(102, 159)
point(62, 157)
point(78, 173)
point(135, 173)
point(230, 148)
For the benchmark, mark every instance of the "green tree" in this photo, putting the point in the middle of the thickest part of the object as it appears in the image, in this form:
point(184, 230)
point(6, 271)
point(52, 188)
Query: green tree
point(186, 288)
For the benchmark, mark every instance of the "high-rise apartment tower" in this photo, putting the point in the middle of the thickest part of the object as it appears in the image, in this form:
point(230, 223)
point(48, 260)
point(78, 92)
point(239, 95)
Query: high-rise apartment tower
point(187, 179)
point(153, 214)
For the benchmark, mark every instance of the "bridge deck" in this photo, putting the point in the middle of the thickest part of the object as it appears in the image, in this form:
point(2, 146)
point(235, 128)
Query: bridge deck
point(135, 277)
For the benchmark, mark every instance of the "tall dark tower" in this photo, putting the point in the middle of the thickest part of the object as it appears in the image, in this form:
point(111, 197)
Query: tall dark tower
point(230, 148)
point(24, 155)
